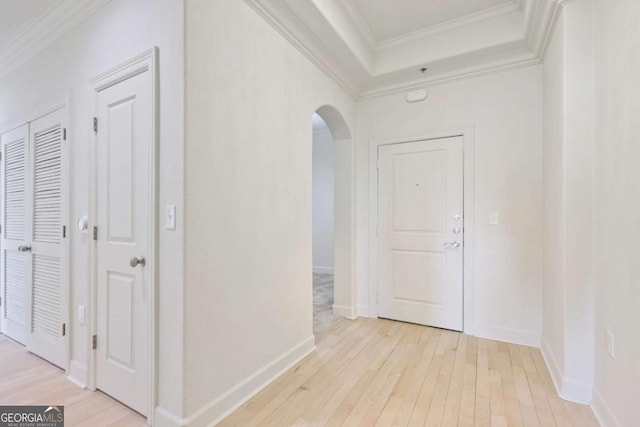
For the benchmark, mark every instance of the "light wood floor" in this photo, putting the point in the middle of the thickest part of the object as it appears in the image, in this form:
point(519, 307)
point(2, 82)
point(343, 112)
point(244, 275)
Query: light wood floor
point(26, 379)
point(365, 372)
point(371, 372)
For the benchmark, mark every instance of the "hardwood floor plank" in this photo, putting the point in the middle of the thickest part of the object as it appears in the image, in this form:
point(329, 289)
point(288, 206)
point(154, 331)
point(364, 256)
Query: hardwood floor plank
point(482, 413)
point(423, 402)
point(468, 398)
point(437, 407)
point(403, 399)
point(452, 404)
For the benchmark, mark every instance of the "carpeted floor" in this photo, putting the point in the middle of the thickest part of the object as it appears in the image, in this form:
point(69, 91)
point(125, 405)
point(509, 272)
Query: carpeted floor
point(323, 316)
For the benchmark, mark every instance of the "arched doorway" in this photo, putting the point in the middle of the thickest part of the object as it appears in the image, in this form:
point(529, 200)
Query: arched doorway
point(332, 219)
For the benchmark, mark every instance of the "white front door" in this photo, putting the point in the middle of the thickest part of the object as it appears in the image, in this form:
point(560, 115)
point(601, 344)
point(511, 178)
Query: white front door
point(420, 232)
point(124, 221)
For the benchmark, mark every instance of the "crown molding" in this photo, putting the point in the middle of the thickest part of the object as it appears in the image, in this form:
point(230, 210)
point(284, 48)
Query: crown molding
point(285, 22)
point(51, 22)
point(542, 23)
point(351, 12)
point(463, 72)
point(452, 24)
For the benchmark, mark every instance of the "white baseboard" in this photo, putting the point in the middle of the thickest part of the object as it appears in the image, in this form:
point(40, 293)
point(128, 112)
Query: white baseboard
point(219, 408)
point(567, 389)
point(576, 391)
point(602, 410)
point(77, 374)
point(513, 336)
point(345, 311)
point(363, 311)
point(552, 365)
point(323, 270)
point(165, 418)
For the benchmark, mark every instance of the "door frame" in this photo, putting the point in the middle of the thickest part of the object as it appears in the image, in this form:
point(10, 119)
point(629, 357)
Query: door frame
point(144, 62)
point(467, 134)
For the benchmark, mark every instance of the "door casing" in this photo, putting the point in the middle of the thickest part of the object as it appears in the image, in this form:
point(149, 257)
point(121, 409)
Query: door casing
point(467, 133)
point(144, 62)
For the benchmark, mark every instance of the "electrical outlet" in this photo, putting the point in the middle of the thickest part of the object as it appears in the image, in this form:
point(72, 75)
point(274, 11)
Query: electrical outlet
point(610, 345)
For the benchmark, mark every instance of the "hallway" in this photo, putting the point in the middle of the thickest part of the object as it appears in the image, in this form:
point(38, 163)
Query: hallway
point(323, 317)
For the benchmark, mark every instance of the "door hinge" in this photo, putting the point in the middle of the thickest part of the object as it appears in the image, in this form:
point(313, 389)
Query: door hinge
point(0, 228)
point(64, 231)
point(95, 233)
point(64, 329)
point(0, 156)
point(64, 134)
point(95, 125)
point(377, 163)
point(94, 342)
point(0, 300)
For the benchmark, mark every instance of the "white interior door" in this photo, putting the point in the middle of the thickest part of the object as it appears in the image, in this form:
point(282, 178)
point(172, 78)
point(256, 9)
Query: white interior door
point(34, 262)
point(124, 221)
point(47, 260)
point(15, 155)
point(420, 232)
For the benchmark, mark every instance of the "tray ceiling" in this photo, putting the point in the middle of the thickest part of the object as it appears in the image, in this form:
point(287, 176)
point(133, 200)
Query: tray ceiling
point(374, 47)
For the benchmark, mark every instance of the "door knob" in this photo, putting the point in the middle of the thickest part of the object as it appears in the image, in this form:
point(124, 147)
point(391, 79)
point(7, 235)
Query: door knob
point(135, 261)
point(455, 244)
point(24, 248)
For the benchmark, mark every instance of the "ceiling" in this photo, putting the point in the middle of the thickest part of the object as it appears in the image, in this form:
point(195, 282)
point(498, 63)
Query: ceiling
point(14, 14)
point(387, 19)
point(371, 47)
point(29, 26)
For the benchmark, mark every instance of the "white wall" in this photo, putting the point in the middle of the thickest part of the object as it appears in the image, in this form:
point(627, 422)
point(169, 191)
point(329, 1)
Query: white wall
point(323, 196)
point(248, 254)
point(117, 32)
point(568, 146)
point(616, 210)
point(505, 110)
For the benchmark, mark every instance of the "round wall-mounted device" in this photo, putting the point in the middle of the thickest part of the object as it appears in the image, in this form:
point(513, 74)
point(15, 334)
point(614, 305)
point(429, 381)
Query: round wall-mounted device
point(83, 224)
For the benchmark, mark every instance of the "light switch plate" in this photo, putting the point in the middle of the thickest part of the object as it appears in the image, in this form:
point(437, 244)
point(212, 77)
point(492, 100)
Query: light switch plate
point(494, 218)
point(82, 315)
point(170, 217)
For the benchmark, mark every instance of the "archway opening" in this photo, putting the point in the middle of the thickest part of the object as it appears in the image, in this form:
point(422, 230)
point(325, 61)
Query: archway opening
point(333, 294)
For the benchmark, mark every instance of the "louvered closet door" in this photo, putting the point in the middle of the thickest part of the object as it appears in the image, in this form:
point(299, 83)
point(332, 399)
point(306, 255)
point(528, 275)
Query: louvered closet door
point(47, 290)
point(13, 267)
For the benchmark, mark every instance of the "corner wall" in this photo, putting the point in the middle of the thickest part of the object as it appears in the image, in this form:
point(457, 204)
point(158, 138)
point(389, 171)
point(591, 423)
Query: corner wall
point(567, 342)
point(248, 255)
